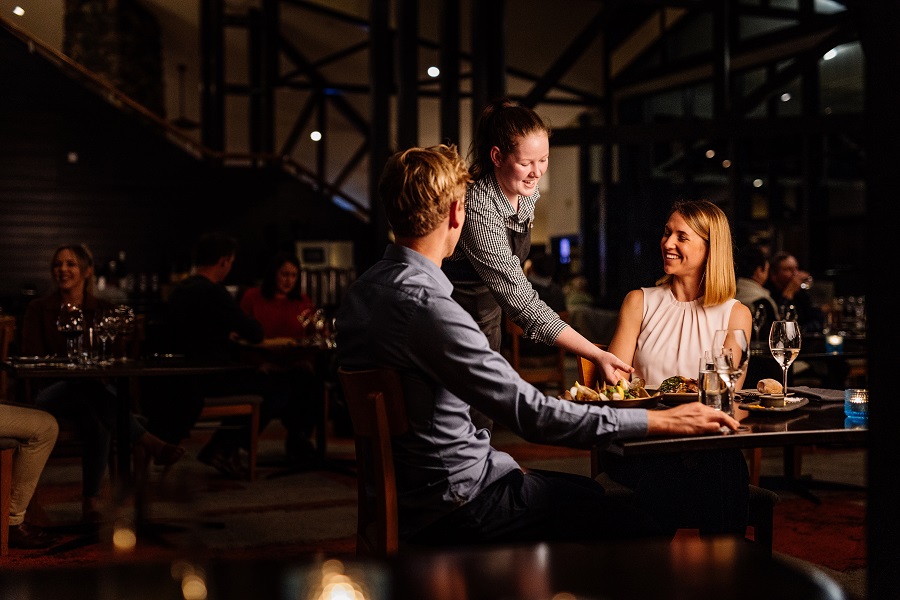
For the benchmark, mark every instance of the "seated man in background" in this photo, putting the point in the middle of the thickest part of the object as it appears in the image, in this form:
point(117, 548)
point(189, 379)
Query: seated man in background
point(204, 321)
point(36, 431)
point(786, 286)
point(453, 486)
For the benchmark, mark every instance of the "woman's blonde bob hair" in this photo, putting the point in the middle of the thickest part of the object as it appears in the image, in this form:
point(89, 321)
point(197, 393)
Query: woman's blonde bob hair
point(710, 223)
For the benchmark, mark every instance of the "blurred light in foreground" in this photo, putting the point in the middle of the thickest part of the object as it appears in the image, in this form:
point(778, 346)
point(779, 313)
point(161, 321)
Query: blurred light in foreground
point(18, 11)
point(726, 163)
point(785, 97)
point(433, 71)
point(124, 538)
point(335, 585)
point(830, 54)
point(710, 153)
point(193, 580)
point(193, 587)
point(757, 183)
point(315, 136)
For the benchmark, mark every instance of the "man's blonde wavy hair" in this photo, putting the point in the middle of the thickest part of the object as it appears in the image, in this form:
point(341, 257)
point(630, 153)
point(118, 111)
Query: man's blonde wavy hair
point(418, 185)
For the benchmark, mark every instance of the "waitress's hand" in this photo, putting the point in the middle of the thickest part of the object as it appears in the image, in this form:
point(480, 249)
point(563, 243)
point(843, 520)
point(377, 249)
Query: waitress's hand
point(612, 367)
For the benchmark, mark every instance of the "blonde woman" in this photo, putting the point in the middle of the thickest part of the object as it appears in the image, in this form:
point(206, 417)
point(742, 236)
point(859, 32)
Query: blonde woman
point(663, 331)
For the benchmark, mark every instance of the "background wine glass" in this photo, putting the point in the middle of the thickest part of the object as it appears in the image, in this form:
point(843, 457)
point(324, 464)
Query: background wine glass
point(784, 344)
point(124, 320)
point(70, 323)
point(731, 352)
point(759, 319)
point(104, 325)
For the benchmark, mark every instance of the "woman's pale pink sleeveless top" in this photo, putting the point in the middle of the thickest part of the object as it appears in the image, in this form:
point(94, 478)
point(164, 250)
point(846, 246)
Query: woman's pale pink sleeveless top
point(675, 334)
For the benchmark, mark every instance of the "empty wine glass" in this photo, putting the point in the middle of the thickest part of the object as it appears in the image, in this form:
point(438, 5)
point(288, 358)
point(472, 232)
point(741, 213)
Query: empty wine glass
point(104, 326)
point(124, 324)
point(731, 353)
point(759, 319)
point(70, 323)
point(784, 343)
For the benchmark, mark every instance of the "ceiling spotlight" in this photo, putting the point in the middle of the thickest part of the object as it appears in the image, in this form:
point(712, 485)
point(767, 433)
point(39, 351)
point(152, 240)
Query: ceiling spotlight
point(757, 183)
point(433, 71)
point(315, 136)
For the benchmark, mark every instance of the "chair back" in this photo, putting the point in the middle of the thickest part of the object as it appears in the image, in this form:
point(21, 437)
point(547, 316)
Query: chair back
point(375, 400)
point(540, 369)
point(587, 370)
point(7, 335)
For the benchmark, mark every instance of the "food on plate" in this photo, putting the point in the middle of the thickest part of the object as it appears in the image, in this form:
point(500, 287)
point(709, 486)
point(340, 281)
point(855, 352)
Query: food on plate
point(769, 386)
point(678, 384)
point(623, 390)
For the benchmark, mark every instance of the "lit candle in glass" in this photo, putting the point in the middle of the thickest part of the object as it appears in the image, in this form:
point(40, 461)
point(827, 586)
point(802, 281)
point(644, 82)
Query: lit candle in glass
point(834, 343)
point(856, 404)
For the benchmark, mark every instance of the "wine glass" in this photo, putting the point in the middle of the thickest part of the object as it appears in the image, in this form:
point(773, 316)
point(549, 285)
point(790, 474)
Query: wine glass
point(731, 352)
point(784, 343)
point(124, 325)
point(104, 325)
point(759, 318)
point(70, 323)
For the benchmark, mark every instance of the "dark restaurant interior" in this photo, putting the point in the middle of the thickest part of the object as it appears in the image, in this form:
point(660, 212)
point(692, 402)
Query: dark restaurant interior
point(136, 126)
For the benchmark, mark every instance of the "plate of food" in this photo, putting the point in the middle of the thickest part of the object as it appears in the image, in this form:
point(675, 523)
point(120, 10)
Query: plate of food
point(760, 407)
point(622, 395)
point(679, 390)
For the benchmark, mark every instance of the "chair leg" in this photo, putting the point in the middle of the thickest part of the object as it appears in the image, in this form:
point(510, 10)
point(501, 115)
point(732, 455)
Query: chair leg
point(755, 460)
point(254, 441)
point(6, 460)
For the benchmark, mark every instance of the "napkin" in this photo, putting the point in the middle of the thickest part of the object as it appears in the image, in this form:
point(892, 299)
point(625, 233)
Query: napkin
point(818, 394)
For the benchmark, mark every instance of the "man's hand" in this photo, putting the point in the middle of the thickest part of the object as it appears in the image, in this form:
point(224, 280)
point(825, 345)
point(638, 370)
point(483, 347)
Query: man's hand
point(691, 418)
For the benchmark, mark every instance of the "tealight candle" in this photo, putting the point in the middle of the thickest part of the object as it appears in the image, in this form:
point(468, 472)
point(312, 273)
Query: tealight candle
point(856, 404)
point(834, 343)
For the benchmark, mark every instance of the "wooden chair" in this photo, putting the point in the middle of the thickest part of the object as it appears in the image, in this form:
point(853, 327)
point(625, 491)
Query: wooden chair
point(762, 501)
point(546, 368)
point(375, 400)
point(215, 408)
point(8, 448)
point(7, 336)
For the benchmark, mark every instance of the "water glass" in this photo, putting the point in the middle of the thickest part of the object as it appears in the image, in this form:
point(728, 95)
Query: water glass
point(711, 386)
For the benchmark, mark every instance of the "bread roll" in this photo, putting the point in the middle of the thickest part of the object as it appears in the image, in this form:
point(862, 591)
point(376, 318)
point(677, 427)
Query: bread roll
point(769, 386)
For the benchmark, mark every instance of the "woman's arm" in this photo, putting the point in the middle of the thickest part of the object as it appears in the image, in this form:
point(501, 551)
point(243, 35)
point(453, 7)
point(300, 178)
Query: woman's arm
point(624, 340)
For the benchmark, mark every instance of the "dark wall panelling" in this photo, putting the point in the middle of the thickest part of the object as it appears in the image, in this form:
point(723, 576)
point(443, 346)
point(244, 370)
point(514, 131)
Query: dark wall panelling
point(130, 188)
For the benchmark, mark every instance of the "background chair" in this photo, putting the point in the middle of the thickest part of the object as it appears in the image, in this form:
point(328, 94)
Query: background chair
point(377, 411)
point(539, 364)
point(8, 448)
point(215, 408)
point(762, 501)
point(7, 336)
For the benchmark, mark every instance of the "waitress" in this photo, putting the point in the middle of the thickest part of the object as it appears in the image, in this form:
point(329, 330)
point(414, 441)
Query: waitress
point(510, 152)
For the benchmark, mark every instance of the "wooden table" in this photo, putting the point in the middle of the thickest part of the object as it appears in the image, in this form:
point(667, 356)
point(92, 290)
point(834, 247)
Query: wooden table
point(120, 372)
point(688, 569)
point(289, 353)
point(815, 423)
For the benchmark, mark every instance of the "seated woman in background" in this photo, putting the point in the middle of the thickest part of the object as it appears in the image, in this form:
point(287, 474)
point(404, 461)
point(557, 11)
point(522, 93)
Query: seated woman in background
point(295, 390)
point(663, 331)
point(278, 304)
point(89, 404)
